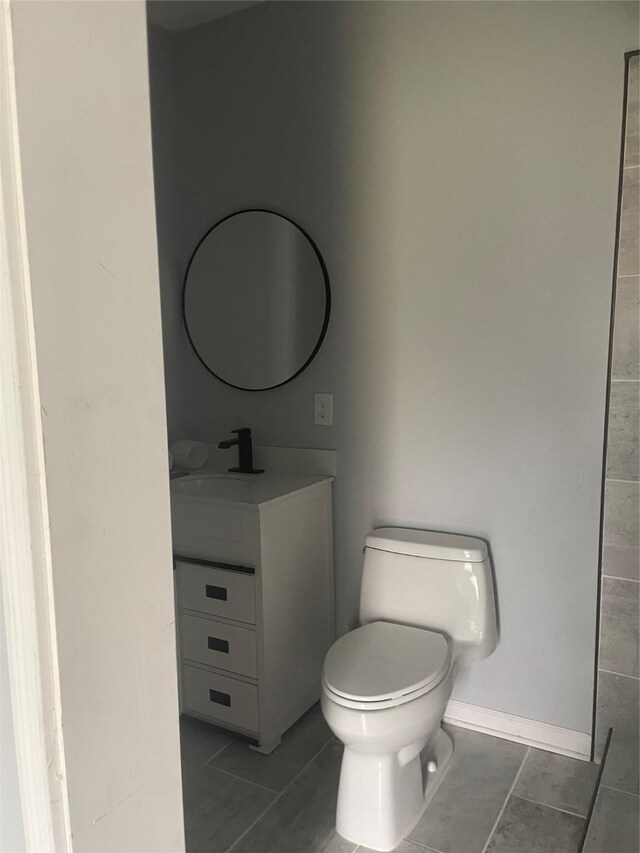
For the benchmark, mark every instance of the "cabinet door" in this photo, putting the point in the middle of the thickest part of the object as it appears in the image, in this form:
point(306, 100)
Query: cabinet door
point(220, 698)
point(217, 592)
point(218, 644)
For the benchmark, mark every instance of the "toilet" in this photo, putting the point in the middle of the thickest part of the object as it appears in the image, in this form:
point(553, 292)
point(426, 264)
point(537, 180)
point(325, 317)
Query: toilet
point(427, 611)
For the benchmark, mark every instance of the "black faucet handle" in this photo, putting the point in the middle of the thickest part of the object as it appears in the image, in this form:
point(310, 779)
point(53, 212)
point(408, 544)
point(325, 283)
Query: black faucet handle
point(245, 452)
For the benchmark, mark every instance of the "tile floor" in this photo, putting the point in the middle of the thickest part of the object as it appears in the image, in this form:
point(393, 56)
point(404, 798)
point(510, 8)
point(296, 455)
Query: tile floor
point(497, 796)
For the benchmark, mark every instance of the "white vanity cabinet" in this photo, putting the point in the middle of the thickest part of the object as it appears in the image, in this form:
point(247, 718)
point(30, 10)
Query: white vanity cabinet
point(254, 599)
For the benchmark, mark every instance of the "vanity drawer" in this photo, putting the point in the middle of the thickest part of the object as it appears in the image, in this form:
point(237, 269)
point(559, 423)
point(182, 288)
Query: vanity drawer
point(218, 644)
point(225, 699)
point(218, 592)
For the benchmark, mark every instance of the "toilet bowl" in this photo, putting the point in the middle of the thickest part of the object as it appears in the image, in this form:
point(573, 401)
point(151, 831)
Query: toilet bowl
point(386, 684)
point(384, 691)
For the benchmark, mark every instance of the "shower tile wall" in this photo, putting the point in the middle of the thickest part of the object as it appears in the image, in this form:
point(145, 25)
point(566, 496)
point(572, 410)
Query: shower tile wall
point(618, 684)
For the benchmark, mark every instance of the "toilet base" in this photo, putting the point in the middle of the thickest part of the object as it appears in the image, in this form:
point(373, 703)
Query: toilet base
point(442, 753)
point(382, 797)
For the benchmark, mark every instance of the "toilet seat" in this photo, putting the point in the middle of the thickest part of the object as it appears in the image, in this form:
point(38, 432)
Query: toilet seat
point(383, 664)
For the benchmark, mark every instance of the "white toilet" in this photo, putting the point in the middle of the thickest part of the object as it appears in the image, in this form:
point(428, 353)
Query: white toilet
point(427, 610)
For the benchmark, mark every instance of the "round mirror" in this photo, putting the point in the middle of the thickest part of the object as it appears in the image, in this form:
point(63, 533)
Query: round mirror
point(256, 300)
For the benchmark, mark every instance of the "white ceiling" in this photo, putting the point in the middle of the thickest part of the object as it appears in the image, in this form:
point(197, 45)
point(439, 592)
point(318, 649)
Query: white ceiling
point(179, 15)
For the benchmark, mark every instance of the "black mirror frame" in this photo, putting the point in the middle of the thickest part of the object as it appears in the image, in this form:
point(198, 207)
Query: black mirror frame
point(327, 287)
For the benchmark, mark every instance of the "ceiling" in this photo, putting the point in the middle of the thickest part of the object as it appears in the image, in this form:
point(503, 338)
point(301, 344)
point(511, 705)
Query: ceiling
point(179, 15)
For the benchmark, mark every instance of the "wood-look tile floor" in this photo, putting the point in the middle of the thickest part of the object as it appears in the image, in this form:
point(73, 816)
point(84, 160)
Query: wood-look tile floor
point(496, 796)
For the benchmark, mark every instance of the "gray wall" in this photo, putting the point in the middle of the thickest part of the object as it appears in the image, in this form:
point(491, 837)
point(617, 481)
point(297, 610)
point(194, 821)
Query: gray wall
point(164, 124)
point(457, 164)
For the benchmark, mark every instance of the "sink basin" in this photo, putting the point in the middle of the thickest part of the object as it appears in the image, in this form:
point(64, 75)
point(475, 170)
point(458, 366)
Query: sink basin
point(225, 487)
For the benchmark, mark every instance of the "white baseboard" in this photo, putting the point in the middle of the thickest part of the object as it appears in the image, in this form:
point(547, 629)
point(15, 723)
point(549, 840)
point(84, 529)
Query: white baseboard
point(531, 732)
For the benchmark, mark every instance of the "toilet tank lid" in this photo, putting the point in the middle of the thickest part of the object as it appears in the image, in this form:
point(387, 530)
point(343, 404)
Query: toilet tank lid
point(427, 543)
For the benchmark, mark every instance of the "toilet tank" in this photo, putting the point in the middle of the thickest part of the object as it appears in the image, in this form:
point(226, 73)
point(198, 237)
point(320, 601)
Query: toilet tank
point(439, 581)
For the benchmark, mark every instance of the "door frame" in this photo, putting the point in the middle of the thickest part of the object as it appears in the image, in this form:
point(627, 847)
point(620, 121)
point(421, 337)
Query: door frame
point(25, 548)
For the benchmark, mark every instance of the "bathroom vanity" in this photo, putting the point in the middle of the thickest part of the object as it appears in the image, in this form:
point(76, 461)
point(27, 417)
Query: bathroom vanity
point(253, 558)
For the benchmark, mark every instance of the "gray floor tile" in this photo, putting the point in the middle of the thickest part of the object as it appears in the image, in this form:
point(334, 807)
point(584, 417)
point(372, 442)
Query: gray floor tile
point(626, 348)
point(337, 845)
point(405, 847)
point(199, 742)
point(621, 561)
point(275, 771)
point(527, 827)
point(218, 808)
point(619, 629)
point(614, 825)
point(557, 781)
point(618, 707)
point(303, 818)
point(466, 805)
point(622, 439)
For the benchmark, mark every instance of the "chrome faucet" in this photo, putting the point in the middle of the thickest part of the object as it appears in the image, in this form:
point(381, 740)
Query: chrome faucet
point(245, 451)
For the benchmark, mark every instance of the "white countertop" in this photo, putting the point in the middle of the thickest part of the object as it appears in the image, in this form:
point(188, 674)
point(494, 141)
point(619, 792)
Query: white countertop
point(244, 489)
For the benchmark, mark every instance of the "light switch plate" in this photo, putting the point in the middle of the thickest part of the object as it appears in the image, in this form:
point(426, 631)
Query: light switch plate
point(323, 409)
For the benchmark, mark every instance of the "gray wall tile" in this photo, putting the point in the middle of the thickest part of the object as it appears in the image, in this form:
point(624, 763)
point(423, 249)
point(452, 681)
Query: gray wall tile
point(629, 244)
point(621, 561)
point(557, 781)
point(622, 440)
point(631, 146)
point(219, 808)
point(471, 794)
point(621, 770)
point(614, 825)
point(617, 696)
point(617, 700)
point(298, 746)
point(618, 707)
point(531, 828)
point(621, 514)
point(619, 634)
point(626, 333)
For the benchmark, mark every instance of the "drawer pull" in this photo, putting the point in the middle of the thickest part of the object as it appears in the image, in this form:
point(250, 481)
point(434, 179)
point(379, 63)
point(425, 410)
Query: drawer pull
point(229, 567)
point(218, 645)
point(220, 698)
point(219, 592)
